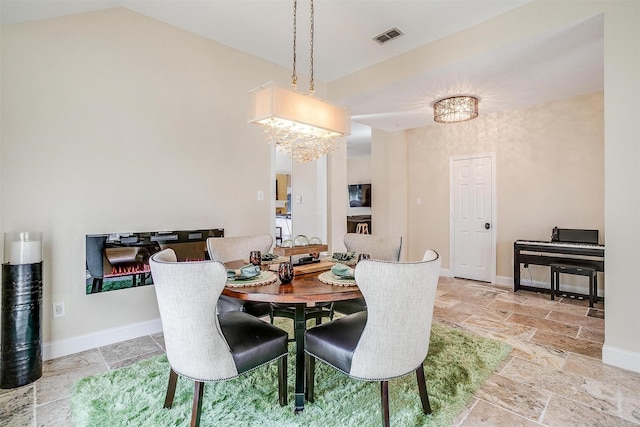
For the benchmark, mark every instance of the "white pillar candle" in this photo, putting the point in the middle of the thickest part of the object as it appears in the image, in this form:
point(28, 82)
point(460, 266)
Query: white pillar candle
point(25, 253)
point(23, 247)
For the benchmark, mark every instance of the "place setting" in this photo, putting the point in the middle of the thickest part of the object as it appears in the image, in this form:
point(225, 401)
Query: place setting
point(348, 258)
point(250, 274)
point(342, 274)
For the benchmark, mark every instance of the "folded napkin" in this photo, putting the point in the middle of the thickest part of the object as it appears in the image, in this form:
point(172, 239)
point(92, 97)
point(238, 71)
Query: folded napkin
point(343, 256)
point(343, 271)
point(269, 257)
point(245, 272)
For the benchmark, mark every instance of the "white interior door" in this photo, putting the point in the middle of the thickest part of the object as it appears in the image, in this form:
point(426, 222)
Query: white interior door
point(472, 212)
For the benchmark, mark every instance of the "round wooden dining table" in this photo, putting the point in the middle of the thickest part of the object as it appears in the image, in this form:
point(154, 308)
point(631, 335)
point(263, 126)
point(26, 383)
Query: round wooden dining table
point(304, 290)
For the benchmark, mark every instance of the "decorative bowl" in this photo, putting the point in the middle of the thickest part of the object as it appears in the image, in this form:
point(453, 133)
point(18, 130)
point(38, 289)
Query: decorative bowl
point(301, 240)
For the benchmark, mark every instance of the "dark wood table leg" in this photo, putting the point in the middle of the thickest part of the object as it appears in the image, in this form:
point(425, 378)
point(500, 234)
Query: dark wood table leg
point(299, 326)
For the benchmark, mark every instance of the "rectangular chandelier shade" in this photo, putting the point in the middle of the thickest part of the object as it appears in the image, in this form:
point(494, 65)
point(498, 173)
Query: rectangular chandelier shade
point(302, 114)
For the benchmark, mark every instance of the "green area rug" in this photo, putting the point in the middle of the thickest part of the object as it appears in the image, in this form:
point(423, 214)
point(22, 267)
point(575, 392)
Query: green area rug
point(458, 363)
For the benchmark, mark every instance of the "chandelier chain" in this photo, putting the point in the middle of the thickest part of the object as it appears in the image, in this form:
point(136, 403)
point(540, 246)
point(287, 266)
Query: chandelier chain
point(311, 82)
point(294, 76)
point(299, 125)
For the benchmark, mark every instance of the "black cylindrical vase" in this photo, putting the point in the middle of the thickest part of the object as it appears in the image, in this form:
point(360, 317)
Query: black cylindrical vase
point(20, 348)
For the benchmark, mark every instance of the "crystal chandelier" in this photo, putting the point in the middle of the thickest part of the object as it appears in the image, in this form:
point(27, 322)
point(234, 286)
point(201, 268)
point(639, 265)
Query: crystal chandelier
point(302, 126)
point(455, 109)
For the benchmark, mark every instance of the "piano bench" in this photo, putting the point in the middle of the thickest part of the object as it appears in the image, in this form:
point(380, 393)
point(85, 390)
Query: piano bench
point(592, 274)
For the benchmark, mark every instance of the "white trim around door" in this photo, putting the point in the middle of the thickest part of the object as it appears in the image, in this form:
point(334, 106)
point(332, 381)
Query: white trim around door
point(493, 225)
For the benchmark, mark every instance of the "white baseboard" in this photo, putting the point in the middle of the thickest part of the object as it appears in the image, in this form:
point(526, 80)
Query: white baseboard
point(613, 356)
point(445, 272)
point(55, 349)
point(571, 288)
point(504, 281)
point(624, 359)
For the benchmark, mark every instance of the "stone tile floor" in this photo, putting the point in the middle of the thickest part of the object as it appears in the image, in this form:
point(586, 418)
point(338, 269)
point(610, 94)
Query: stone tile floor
point(553, 377)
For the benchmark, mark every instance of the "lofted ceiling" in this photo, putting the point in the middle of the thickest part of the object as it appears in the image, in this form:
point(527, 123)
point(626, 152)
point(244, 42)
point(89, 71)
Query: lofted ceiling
point(559, 64)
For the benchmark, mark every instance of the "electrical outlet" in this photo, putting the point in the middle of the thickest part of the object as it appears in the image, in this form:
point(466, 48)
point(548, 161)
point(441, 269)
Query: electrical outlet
point(58, 309)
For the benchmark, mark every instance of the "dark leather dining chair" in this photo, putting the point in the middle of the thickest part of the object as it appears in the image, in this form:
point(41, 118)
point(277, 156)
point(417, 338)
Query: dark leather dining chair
point(379, 344)
point(385, 248)
point(205, 346)
point(225, 249)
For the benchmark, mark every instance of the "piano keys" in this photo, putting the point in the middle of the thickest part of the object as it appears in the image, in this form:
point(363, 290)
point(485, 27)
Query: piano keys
point(554, 252)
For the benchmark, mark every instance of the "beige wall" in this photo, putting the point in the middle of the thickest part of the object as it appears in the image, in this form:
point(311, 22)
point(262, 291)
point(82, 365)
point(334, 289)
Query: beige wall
point(621, 134)
point(115, 92)
point(389, 186)
point(359, 170)
point(337, 205)
point(115, 122)
point(309, 198)
point(546, 176)
point(622, 184)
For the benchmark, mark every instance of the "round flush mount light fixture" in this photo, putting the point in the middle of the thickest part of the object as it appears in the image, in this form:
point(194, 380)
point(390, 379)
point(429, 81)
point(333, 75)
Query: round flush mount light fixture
point(455, 109)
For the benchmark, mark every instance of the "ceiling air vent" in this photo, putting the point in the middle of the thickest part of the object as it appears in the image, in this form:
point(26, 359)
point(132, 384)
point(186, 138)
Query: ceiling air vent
point(388, 35)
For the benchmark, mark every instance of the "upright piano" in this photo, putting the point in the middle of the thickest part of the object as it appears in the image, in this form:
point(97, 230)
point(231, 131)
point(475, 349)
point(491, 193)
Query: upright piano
point(569, 246)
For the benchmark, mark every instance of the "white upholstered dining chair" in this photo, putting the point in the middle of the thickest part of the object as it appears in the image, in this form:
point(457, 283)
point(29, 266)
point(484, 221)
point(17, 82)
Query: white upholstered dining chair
point(385, 248)
point(205, 346)
point(388, 340)
point(225, 249)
